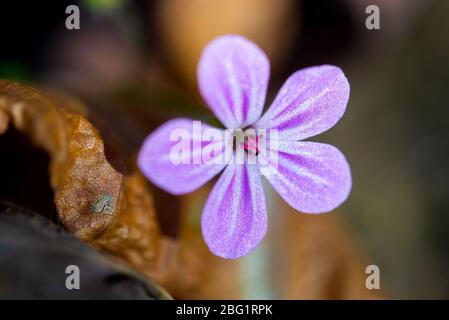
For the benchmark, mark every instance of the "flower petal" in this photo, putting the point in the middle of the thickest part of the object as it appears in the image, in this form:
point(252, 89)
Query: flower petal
point(312, 177)
point(311, 101)
point(173, 156)
point(233, 76)
point(234, 218)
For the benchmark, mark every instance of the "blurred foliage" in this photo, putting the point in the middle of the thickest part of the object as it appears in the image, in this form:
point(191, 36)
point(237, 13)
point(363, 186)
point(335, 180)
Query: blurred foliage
point(169, 103)
point(14, 70)
point(100, 5)
point(395, 135)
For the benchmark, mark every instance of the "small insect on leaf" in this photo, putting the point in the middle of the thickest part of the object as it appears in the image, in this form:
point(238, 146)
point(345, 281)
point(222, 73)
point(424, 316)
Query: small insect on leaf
point(103, 204)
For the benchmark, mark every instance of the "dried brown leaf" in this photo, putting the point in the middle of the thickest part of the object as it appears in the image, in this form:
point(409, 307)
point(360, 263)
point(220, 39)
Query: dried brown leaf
point(94, 201)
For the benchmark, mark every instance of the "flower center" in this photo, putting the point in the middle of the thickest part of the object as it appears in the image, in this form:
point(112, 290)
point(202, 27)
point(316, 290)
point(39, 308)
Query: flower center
point(249, 141)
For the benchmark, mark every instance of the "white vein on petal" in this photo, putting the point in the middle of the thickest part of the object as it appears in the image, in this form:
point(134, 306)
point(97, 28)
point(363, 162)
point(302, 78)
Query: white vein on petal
point(236, 92)
point(227, 117)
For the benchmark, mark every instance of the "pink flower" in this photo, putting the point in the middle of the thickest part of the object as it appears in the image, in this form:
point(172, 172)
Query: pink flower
point(311, 177)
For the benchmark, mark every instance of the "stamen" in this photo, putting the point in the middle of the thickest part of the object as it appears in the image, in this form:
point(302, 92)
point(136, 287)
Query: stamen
point(248, 142)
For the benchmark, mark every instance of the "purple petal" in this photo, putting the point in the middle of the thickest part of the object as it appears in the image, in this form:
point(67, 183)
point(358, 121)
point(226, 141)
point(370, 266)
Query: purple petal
point(235, 215)
point(312, 177)
point(189, 171)
point(233, 76)
point(311, 101)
